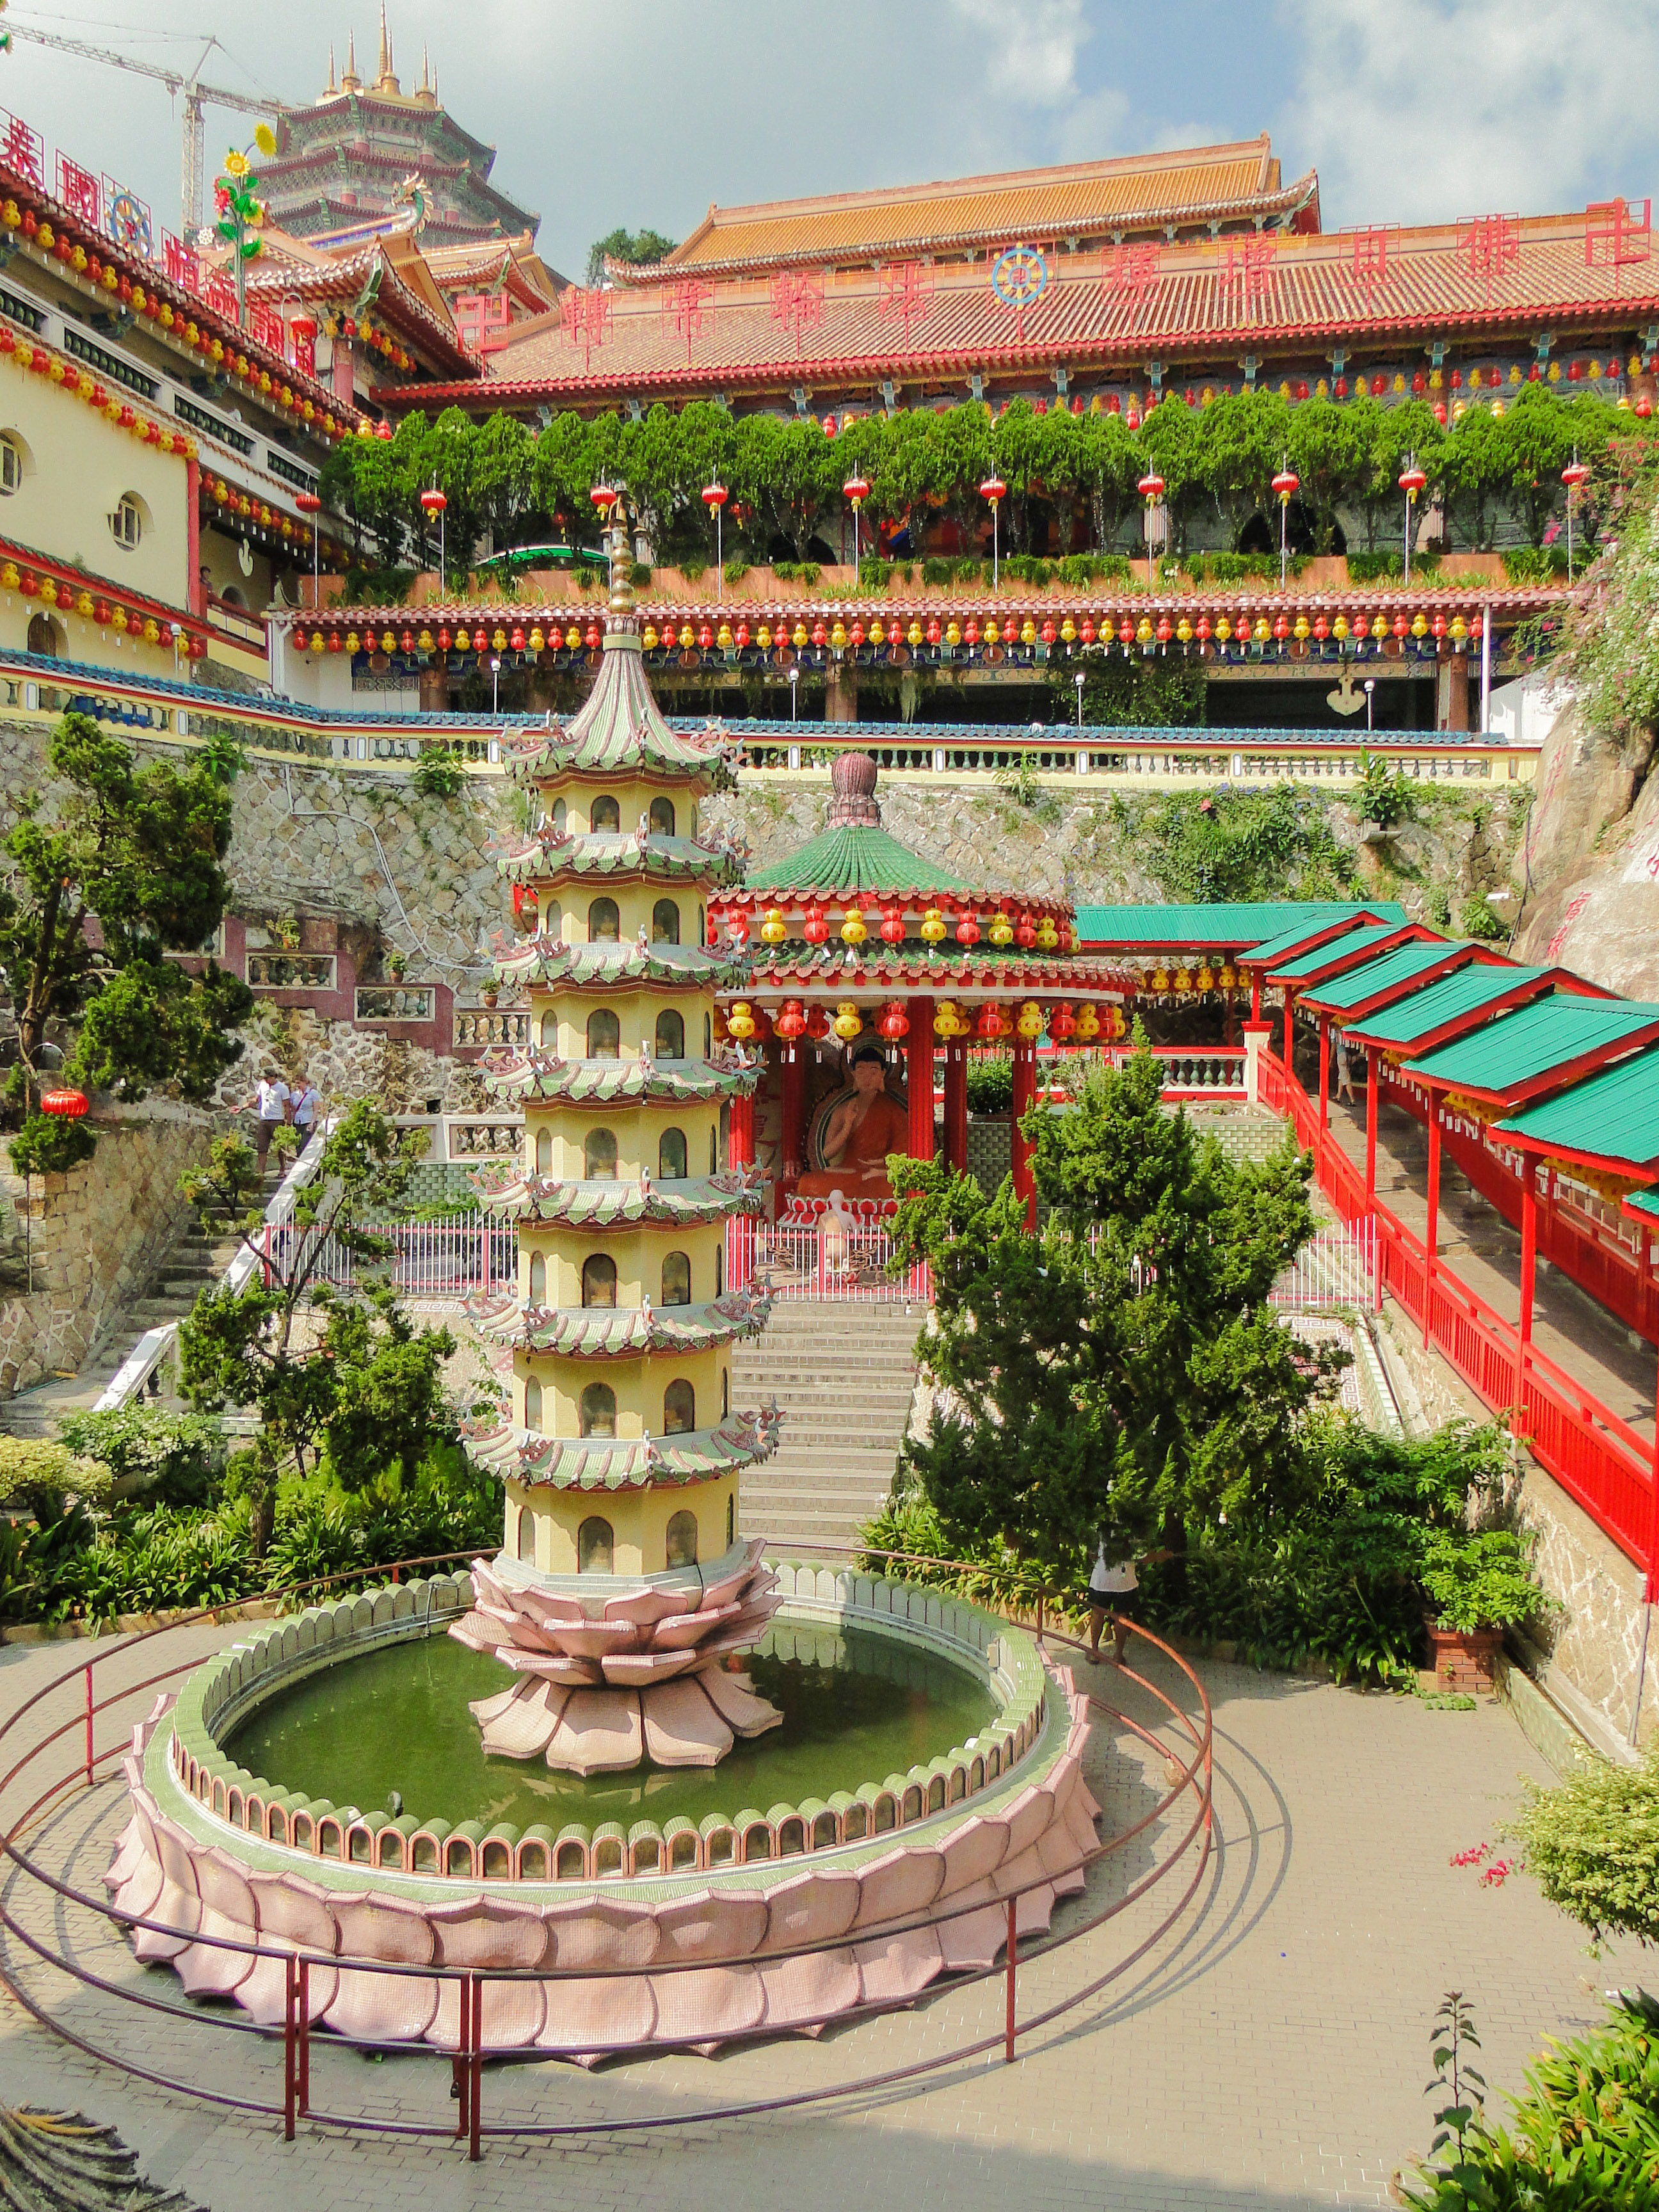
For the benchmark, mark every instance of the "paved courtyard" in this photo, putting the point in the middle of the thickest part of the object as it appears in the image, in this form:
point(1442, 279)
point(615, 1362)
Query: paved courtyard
point(1269, 2052)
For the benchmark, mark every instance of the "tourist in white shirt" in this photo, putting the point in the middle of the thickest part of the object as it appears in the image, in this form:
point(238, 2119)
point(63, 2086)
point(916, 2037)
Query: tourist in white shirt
point(1115, 1588)
point(271, 1103)
point(304, 1100)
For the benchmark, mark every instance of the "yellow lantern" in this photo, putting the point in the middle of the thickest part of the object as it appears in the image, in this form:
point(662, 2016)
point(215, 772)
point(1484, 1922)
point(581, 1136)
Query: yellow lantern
point(992, 635)
point(152, 632)
point(317, 641)
point(354, 643)
point(932, 927)
point(877, 634)
point(838, 635)
point(537, 640)
point(1340, 628)
point(649, 640)
point(1205, 978)
point(119, 618)
point(774, 929)
point(1144, 630)
point(424, 642)
point(1183, 980)
point(388, 641)
point(9, 577)
point(499, 641)
point(799, 638)
point(1160, 978)
point(741, 1020)
point(913, 635)
point(848, 1022)
point(764, 638)
point(1002, 930)
point(853, 930)
point(1300, 629)
point(1184, 631)
point(1028, 634)
point(1420, 625)
point(1460, 629)
point(83, 606)
point(1262, 632)
point(1028, 1021)
point(1068, 632)
point(1224, 630)
point(1088, 1024)
point(953, 635)
point(723, 637)
point(947, 1018)
point(1048, 935)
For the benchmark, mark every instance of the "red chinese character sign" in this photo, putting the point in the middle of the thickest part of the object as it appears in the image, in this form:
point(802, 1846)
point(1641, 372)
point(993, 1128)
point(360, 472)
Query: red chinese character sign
point(182, 263)
point(798, 302)
point(1019, 278)
point(686, 307)
point(481, 319)
point(905, 293)
point(1130, 275)
point(23, 150)
point(1491, 244)
point(1371, 254)
point(585, 317)
point(1615, 237)
point(78, 189)
point(1246, 273)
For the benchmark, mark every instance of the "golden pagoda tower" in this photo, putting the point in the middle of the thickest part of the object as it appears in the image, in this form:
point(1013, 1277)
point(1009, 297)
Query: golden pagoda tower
point(622, 1585)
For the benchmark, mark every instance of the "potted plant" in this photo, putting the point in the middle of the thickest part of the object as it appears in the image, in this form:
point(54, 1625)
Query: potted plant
point(1478, 1584)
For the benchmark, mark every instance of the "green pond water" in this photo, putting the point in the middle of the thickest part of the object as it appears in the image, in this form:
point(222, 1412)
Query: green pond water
point(856, 1708)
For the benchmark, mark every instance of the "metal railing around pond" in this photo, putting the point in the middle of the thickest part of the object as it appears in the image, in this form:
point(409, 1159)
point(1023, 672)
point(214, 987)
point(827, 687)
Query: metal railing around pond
point(66, 1759)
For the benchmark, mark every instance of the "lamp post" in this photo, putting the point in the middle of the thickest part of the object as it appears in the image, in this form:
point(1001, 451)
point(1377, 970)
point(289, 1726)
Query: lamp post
point(1078, 680)
point(309, 503)
point(996, 491)
point(1285, 484)
point(1412, 480)
point(433, 502)
point(1370, 689)
point(1573, 476)
point(857, 489)
point(794, 679)
point(495, 684)
point(1150, 488)
point(714, 498)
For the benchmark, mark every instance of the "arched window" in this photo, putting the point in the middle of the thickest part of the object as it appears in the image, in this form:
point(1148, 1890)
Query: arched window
point(676, 1279)
point(596, 1548)
point(714, 1148)
point(702, 923)
point(551, 917)
point(682, 1539)
point(15, 463)
point(708, 1035)
point(662, 817)
point(604, 1035)
point(719, 1270)
point(671, 1155)
point(526, 1537)
point(45, 636)
point(127, 521)
point(730, 1519)
point(539, 1280)
point(560, 815)
point(604, 815)
point(679, 1409)
point(599, 1410)
point(726, 1392)
point(604, 924)
point(543, 1152)
point(665, 922)
point(532, 1406)
point(550, 1033)
point(599, 1156)
point(671, 1035)
point(599, 1280)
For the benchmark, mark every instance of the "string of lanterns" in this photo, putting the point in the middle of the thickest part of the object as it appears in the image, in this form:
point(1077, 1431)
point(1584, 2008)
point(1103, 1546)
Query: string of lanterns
point(361, 332)
point(1066, 1022)
point(115, 407)
point(1030, 931)
point(259, 517)
point(74, 597)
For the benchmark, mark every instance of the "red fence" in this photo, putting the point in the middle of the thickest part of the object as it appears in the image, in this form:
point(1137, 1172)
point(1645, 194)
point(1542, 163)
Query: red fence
point(1598, 1459)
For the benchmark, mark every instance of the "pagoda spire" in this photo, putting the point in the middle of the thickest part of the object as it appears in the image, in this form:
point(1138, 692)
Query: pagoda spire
point(351, 81)
point(385, 79)
point(333, 88)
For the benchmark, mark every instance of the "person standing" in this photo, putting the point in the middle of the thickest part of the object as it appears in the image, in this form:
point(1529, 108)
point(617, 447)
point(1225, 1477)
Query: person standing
point(1116, 1588)
point(1344, 1070)
point(305, 1103)
point(270, 1102)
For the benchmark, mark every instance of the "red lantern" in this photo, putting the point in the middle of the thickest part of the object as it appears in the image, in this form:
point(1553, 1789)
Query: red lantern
point(892, 925)
point(737, 927)
point(1062, 1024)
point(893, 1022)
point(517, 640)
point(820, 636)
point(1285, 484)
point(308, 502)
point(990, 1023)
point(1438, 625)
point(1412, 480)
point(1643, 406)
point(1282, 628)
point(480, 638)
point(714, 495)
point(63, 1105)
point(1087, 631)
point(1401, 625)
point(434, 502)
point(1165, 629)
point(1321, 628)
point(855, 635)
point(967, 932)
point(818, 1025)
point(857, 489)
point(1048, 633)
point(1574, 475)
point(791, 1020)
point(1126, 631)
point(935, 633)
point(1201, 629)
point(603, 497)
point(970, 632)
point(814, 927)
point(383, 429)
point(705, 637)
point(742, 635)
point(1025, 933)
point(1151, 487)
point(994, 488)
point(407, 640)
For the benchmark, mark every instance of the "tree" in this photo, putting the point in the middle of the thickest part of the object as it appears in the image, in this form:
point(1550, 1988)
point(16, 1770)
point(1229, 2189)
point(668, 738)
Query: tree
point(322, 1367)
point(126, 872)
point(636, 246)
point(1330, 451)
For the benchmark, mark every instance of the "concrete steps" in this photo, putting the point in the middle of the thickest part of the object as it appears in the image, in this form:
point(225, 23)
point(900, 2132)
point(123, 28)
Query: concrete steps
point(843, 1376)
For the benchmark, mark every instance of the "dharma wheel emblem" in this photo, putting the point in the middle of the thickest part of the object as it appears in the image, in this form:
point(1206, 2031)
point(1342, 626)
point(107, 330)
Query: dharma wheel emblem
point(1019, 278)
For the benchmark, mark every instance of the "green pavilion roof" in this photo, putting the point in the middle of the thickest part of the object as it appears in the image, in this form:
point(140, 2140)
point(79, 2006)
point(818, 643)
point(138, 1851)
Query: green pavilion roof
point(859, 857)
point(663, 966)
point(608, 1082)
point(1612, 1116)
point(630, 1205)
point(620, 1332)
point(1393, 971)
point(1225, 927)
point(1462, 995)
point(1353, 944)
point(548, 857)
point(1504, 1056)
point(1643, 1202)
point(620, 1463)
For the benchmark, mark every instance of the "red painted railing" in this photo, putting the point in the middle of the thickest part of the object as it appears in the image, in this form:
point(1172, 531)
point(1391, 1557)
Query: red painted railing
point(1599, 1460)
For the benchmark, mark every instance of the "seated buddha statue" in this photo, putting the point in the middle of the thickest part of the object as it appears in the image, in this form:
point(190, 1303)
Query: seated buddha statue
point(859, 1134)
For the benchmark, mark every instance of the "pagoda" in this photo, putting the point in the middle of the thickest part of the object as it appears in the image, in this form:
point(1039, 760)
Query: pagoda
point(622, 1586)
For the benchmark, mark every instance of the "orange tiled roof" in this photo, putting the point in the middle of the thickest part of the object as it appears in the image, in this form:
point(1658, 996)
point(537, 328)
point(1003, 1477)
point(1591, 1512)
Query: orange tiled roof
point(1084, 199)
point(1196, 303)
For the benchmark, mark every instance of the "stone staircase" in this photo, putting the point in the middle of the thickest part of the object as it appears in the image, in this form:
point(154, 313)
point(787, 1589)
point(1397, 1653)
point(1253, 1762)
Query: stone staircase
point(843, 1376)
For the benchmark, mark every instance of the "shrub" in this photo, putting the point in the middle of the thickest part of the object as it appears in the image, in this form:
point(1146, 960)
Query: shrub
point(48, 1144)
point(1388, 568)
point(694, 569)
point(1537, 564)
point(639, 573)
point(1475, 918)
point(736, 569)
point(438, 776)
point(990, 1082)
point(176, 1457)
point(798, 572)
point(1481, 1579)
point(1593, 1847)
point(39, 1475)
point(1437, 907)
point(874, 574)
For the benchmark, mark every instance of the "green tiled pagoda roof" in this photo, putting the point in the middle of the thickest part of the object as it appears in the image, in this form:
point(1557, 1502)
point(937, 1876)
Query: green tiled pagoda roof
point(1224, 926)
point(1465, 993)
point(1613, 1115)
point(657, 1082)
point(1353, 944)
point(548, 857)
point(604, 1463)
point(620, 1332)
point(620, 729)
point(629, 1205)
point(838, 863)
point(1394, 971)
point(1506, 1053)
point(610, 966)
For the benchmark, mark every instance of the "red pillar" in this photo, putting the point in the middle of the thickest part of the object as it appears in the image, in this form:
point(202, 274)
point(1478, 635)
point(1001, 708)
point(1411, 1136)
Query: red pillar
point(194, 596)
point(1024, 1094)
point(1256, 994)
point(794, 1091)
point(741, 1147)
point(1290, 1035)
point(1528, 1274)
point(1373, 1085)
point(1324, 1070)
point(919, 1075)
point(955, 1103)
point(1431, 1227)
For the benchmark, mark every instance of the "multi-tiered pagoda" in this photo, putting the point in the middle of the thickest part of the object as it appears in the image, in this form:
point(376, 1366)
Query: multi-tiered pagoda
point(622, 1583)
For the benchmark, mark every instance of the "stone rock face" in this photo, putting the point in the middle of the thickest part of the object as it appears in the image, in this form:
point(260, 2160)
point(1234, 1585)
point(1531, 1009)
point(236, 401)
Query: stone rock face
point(1589, 862)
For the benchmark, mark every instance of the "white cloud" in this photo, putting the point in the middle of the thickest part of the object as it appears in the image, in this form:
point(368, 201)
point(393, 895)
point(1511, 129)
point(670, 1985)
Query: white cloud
point(1432, 109)
point(1031, 48)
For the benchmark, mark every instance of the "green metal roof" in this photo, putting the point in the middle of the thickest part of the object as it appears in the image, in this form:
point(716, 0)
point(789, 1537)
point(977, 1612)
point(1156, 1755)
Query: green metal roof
point(1289, 942)
point(1355, 943)
point(1224, 926)
point(1464, 991)
point(1644, 1201)
point(1613, 1115)
point(853, 857)
point(1504, 1054)
point(1339, 993)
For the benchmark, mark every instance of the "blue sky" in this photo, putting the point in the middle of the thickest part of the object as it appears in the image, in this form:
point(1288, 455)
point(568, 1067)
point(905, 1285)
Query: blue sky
point(644, 111)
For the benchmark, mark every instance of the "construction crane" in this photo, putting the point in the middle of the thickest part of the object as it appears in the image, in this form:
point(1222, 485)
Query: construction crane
point(192, 167)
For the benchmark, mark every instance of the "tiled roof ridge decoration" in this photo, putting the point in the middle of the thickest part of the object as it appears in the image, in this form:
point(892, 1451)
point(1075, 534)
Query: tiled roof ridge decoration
point(539, 1073)
point(623, 1462)
point(551, 853)
point(619, 1332)
point(543, 959)
point(639, 1202)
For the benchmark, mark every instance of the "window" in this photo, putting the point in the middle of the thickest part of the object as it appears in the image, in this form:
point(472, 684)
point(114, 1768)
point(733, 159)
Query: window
point(604, 1035)
point(598, 1280)
point(605, 815)
point(682, 1539)
point(670, 1035)
point(662, 817)
point(670, 1156)
point(679, 1409)
point(604, 924)
point(731, 1518)
point(539, 1280)
point(526, 1537)
point(596, 1548)
point(707, 1037)
point(665, 922)
point(11, 463)
point(45, 636)
point(714, 1149)
point(676, 1279)
point(726, 1393)
point(599, 1156)
point(719, 1270)
point(561, 814)
point(543, 1152)
point(232, 596)
point(550, 1032)
point(126, 524)
point(599, 1413)
point(532, 1406)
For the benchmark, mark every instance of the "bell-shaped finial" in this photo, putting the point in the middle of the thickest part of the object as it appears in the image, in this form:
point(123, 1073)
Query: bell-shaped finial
point(622, 565)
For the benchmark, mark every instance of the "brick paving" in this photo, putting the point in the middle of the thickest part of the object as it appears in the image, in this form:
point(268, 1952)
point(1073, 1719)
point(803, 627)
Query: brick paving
point(1269, 2053)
